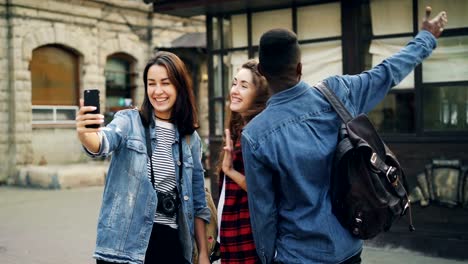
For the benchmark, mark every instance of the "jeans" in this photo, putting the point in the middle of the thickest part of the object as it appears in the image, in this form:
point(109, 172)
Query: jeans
point(164, 247)
point(356, 259)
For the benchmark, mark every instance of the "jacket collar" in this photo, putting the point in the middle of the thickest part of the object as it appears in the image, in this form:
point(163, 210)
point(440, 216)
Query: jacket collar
point(288, 94)
point(153, 127)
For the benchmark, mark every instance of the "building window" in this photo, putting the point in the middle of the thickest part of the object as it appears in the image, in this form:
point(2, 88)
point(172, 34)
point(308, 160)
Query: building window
point(264, 21)
point(120, 84)
point(445, 73)
point(328, 16)
point(239, 31)
point(220, 83)
point(322, 55)
point(395, 114)
point(446, 108)
point(233, 42)
point(391, 17)
point(449, 62)
point(55, 85)
point(441, 88)
point(445, 86)
point(321, 60)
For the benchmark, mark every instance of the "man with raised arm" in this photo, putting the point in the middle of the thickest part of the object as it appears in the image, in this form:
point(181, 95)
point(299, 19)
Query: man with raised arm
point(288, 148)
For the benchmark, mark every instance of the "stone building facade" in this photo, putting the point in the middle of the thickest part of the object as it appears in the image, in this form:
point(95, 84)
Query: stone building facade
point(91, 33)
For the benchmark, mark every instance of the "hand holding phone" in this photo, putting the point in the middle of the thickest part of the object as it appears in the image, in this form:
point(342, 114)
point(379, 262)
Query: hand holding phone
point(91, 98)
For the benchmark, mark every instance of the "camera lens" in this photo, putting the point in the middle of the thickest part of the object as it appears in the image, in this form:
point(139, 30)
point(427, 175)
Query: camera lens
point(168, 205)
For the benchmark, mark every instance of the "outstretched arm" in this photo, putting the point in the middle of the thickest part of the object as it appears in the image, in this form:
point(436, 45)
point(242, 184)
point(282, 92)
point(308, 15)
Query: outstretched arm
point(370, 87)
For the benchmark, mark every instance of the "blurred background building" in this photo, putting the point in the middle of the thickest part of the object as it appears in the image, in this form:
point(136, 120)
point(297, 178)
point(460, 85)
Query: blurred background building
point(51, 50)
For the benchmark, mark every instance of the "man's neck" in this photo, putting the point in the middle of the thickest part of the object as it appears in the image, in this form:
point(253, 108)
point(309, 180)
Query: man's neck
point(277, 86)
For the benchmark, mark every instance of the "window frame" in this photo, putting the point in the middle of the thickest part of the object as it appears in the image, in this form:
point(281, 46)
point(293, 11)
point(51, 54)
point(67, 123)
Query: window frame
point(421, 134)
point(53, 108)
point(420, 86)
point(130, 86)
point(353, 42)
point(251, 49)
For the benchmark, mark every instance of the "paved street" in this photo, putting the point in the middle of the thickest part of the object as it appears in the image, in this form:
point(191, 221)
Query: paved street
point(59, 226)
point(48, 226)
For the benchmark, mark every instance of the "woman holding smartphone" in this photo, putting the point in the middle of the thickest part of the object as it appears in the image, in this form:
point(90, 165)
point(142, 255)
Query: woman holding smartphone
point(153, 205)
point(248, 96)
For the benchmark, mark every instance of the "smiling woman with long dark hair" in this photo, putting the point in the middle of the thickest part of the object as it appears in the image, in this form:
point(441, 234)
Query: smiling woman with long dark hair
point(153, 204)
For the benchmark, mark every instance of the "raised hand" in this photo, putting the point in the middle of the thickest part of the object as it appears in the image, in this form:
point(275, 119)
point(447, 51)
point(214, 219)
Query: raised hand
point(227, 160)
point(83, 119)
point(435, 25)
point(88, 136)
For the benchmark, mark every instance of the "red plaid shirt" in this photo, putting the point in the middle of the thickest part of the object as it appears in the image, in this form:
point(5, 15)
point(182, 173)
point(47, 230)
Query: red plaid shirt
point(237, 244)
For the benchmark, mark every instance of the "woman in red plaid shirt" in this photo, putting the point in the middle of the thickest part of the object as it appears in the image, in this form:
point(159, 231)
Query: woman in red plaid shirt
point(248, 96)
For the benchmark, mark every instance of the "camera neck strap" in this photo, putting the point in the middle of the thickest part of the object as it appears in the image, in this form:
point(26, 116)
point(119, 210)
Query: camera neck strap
point(149, 151)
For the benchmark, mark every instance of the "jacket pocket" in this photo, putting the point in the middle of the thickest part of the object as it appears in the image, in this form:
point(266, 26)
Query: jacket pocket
point(136, 144)
point(188, 168)
point(137, 156)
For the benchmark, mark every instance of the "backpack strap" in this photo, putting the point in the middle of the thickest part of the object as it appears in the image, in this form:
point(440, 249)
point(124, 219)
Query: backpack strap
point(335, 102)
point(343, 113)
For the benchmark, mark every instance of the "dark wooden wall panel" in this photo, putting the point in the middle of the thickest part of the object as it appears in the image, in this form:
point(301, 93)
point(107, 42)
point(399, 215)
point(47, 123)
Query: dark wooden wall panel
point(414, 156)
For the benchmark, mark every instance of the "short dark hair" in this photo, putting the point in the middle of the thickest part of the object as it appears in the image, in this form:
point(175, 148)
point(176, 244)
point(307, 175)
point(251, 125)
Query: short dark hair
point(279, 52)
point(184, 112)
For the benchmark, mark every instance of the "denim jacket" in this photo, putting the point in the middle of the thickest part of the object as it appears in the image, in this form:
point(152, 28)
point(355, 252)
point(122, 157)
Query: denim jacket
point(129, 201)
point(288, 154)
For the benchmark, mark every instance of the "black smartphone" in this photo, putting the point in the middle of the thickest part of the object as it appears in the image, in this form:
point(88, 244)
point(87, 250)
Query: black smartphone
point(91, 98)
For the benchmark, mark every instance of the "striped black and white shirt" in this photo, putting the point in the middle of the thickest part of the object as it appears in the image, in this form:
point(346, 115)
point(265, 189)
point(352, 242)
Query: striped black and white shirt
point(163, 167)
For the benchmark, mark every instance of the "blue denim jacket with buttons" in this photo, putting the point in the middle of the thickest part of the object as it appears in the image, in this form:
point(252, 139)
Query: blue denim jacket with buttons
point(129, 200)
point(288, 154)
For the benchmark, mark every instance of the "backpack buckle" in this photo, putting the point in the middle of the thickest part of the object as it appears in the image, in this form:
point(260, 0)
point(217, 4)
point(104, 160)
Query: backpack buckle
point(392, 176)
point(357, 223)
point(373, 158)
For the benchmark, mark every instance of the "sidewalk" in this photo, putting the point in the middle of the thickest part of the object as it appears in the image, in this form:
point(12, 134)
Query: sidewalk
point(91, 173)
point(40, 226)
point(374, 255)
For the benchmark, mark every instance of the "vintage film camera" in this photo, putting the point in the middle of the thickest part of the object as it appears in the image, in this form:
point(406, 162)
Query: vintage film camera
point(168, 203)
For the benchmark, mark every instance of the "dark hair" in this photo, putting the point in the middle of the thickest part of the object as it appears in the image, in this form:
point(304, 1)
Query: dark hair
point(184, 112)
point(234, 121)
point(279, 52)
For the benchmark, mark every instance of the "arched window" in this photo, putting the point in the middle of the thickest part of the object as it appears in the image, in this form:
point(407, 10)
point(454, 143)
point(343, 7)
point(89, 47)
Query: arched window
point(120, 83)
point(55, 84)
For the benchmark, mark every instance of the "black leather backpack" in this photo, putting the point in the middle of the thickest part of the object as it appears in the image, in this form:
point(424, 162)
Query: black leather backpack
point(368, 187)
